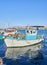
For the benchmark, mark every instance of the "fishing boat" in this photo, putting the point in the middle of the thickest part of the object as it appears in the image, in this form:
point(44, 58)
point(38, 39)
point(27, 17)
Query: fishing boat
point(28, 38)
point(22, 42)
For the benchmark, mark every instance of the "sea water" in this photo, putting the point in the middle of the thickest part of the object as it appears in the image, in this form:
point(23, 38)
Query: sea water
point(41, 59)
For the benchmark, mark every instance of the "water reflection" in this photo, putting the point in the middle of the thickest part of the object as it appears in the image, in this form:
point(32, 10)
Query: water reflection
point(30, 51)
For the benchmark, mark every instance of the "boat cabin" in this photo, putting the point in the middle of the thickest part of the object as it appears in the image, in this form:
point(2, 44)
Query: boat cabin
point(24, 35)
point(31, 34)
point(28, 34)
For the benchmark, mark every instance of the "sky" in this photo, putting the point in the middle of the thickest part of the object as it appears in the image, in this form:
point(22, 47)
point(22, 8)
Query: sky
point(23, 12)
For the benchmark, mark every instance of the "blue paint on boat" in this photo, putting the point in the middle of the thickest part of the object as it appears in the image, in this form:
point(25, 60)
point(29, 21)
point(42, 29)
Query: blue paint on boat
point(31, 37)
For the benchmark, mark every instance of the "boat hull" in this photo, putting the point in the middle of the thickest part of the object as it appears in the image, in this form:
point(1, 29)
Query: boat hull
point(22, 43)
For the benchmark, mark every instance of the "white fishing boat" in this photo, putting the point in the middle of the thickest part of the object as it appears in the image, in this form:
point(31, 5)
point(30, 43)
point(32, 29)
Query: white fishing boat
point(18, 44)
point(23, 39)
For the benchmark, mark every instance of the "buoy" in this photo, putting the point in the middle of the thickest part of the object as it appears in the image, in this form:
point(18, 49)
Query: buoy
point(16, 36)
point(23, 36)
point(10, 34)
point(1, 61)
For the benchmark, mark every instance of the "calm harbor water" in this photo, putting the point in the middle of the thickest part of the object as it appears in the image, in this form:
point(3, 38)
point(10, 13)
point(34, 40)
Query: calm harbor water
point(41, 59)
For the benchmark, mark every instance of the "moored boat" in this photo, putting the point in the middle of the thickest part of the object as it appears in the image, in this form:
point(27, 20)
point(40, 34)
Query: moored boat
point(28, 38)
point(21, 43)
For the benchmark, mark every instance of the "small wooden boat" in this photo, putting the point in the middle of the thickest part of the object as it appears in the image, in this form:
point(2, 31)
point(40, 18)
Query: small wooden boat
point(22, 43)
point(28, 39)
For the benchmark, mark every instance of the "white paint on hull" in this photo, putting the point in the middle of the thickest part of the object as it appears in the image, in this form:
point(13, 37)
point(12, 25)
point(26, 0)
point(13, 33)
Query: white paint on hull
point(21, 43)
